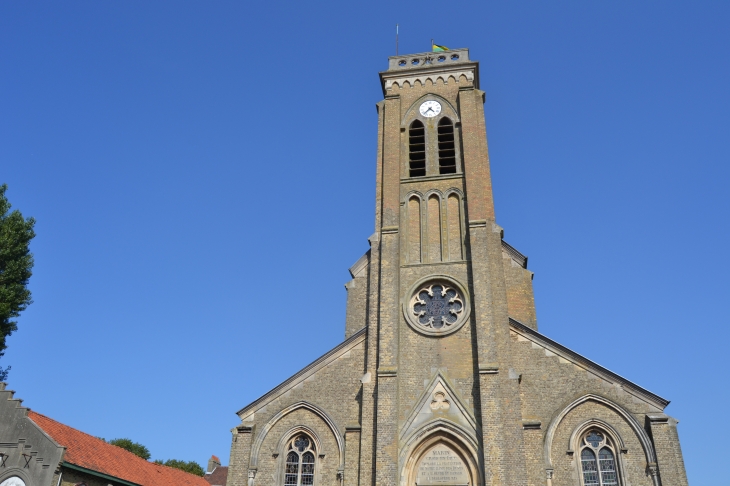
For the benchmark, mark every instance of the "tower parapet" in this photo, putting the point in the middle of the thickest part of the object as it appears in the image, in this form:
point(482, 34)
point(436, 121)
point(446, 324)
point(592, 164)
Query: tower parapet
point(429, 65)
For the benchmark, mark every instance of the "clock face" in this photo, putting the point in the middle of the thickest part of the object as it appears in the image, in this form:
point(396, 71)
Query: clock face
point(430, 108)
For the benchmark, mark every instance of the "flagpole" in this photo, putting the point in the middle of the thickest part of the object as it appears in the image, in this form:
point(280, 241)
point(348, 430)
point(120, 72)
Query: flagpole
point(396, 39)
point(431, 45)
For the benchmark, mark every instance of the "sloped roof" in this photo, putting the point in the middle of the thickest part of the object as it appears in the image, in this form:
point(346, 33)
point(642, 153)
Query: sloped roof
point(218, 477)
point(585, 363)
point(88, 452)
point(301, 375)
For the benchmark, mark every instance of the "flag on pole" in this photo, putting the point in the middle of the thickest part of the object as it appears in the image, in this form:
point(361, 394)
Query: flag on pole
point(438, 48)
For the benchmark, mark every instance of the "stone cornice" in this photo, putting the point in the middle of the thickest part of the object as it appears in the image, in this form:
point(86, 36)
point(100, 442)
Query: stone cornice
point(518, 257)
point(468, 70)
point(360, 265)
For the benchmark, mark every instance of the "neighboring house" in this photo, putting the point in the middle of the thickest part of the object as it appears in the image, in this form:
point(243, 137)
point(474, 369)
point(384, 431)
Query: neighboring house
point(216, 475)
point(36, 450)
point(28, 456)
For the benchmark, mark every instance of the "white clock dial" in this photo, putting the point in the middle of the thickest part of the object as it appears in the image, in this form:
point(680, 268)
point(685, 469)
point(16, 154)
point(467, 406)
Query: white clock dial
point(430, 108)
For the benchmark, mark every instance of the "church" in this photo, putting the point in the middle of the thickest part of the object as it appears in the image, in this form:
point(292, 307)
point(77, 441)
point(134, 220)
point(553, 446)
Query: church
point(443, 378)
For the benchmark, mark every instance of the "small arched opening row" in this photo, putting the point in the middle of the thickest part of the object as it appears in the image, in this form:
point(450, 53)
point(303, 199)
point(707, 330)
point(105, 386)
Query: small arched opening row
point(434, 228)
point(446, 153)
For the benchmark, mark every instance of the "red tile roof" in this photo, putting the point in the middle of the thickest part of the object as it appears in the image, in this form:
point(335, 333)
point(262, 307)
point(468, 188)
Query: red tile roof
point(92, 453)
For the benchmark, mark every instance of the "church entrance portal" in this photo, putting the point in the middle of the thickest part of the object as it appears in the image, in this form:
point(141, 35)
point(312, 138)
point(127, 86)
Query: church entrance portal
point(440, 461)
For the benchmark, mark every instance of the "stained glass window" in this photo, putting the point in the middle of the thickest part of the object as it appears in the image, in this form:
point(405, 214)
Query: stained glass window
point(300, 462)
point(307, 469)
point(292, 469)
point(437, 306)
point(608, 467)
point(594, 438)
point(301, 443)
point(590, 468)
point(603, 471)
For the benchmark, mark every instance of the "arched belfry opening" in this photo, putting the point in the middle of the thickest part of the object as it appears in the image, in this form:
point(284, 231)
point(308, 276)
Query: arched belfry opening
point(417, 149)
point(446, 147)
point(441, 459)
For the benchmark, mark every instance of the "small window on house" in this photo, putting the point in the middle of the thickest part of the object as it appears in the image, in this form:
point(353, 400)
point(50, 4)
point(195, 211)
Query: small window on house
point(598, 460)
point(417, 149)
point(447, 149)
point(299, 466)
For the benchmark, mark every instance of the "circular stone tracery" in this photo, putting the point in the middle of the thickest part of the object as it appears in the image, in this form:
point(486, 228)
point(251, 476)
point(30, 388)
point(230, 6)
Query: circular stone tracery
point(437, 307)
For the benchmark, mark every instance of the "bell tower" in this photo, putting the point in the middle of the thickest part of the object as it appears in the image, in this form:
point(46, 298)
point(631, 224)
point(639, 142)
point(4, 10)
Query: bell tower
point(443, 378)
point(438, 303)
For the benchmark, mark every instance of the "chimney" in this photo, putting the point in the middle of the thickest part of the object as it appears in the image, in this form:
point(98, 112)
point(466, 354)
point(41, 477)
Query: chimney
point(213, 463)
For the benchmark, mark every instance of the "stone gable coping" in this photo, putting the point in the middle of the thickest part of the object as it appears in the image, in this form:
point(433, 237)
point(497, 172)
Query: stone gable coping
point(305, 372)
point(360, 265)
point(595, 368)
point(518, 257)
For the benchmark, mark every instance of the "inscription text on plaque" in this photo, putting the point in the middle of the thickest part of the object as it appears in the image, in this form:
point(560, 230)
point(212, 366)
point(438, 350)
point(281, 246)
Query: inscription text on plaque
point(441, 466)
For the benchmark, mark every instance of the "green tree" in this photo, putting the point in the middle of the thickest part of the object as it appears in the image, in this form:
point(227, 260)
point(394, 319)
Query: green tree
point(190, 466)
point(133, 447)
point(16, 263)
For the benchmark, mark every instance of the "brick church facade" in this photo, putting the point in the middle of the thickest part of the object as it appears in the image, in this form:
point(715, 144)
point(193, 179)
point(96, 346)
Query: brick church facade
point(443, 378)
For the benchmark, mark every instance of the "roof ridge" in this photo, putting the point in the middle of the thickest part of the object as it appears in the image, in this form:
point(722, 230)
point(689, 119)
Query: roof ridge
point(95, 454)
point(103, 441)
point(130, 454)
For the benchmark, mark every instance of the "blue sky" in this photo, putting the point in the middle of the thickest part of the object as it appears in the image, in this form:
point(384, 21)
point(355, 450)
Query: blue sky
point(203, 174)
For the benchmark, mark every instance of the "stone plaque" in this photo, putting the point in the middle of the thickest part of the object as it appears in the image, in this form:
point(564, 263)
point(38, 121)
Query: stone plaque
point(442, 466)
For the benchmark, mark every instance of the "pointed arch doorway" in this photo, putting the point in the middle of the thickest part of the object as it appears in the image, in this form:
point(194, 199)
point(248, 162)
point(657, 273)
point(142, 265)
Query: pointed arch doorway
point(441, 460)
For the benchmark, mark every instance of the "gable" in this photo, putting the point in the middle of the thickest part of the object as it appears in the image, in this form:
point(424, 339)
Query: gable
point(439, 402)
point(565, 355)
point(26, 450)
point(307, 373)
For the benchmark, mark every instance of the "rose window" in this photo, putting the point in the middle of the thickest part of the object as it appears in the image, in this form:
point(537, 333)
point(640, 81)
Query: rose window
point(437, 306)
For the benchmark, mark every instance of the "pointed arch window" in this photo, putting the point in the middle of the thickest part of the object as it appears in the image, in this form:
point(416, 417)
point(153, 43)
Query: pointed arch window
point(300, 462)
point(416, 149)
point(447, 147)
point(598, 460)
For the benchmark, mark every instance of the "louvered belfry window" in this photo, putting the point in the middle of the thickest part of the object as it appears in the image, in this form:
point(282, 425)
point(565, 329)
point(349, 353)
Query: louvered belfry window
point(598, 460)
point(300, 462)
point(417, 149)
point(447, 149)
